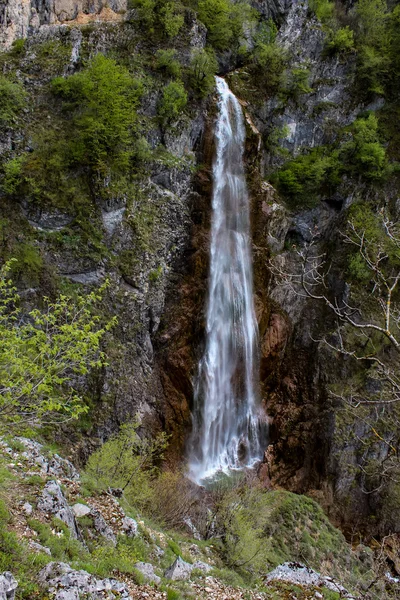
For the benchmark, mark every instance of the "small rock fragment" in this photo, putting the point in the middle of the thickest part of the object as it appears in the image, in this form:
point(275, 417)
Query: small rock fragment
point(80, 510)
point(39, 548)
point(8, 585)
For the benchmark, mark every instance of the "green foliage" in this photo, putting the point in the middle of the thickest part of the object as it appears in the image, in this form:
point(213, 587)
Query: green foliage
point(364, 153)
point(12, 101)
point(42, 357)
point(297, 82)
point(268, 59)
point(172, 103)
point(171, 18)
point(340, 41)
point(203, 66)
point(262, 529)
point(12, 175)
point(160, 15)
point(303, 178)
point(16, 558)
point(101, 101)
point(323, 9)
point(167, 63)
point(225, 21)
point(126, 461)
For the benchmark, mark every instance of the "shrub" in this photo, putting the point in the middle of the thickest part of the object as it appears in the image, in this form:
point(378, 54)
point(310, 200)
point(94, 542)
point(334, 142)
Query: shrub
point(126, 461)
point(166, 62)
point(340, 41)
point(215, 16)
point(42, 357)
point(12, 100)
point(203, 66)
point(268, 58)
point(364, 153)
point(297, 82)
point(302, 179)
point(101, 100)
point(171, 18)
point(323, 9)
point(173, 101)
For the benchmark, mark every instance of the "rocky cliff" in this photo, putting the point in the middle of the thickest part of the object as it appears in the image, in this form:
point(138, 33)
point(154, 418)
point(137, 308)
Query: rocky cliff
point(149, 236)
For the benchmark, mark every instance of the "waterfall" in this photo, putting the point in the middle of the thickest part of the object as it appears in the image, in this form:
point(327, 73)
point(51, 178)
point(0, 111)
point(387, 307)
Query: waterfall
point(228, 427)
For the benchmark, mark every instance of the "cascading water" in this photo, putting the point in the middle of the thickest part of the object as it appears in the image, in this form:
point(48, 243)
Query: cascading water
point(228, 427)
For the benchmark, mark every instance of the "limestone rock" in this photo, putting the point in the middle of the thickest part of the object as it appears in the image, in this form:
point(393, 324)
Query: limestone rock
point(35, 454)
point(102, 528)
point(53, 502)
point(68, 584)
point(39, 548)
point(81, 510)
point(179, 570)
point(202, 566)
point(298, 574)
point(130, 527)
point(8, 585)
point(147, 571)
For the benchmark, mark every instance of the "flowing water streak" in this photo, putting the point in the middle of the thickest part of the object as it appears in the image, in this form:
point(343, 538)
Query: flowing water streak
point(228, 429)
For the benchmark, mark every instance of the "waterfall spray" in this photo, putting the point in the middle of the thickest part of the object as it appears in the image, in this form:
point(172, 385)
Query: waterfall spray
point(228, 426)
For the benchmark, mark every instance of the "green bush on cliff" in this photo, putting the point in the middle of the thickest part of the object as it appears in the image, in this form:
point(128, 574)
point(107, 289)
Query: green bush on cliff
point(167, 63)
point(101, 101)
point(172, 102)
point(203, 66)
point(160, 16)
point(268, 60)
point(225, 21)
point(12, 100)
point(364, 154)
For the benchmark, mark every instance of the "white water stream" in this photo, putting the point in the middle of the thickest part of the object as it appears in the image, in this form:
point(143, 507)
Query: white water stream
point(228, 427)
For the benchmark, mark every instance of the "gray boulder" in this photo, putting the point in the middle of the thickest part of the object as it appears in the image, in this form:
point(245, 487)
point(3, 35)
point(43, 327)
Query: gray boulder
point(8, 585)
point(179, 570)
point(53, 502)
point(129, 527)
point(147, 570)
point(39, 548)
point(102, 528)
point(67, 584)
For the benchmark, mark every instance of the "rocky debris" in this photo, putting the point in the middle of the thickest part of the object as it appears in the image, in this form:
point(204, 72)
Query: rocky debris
point(102, 528)
point(147, 570)
point(35, 454)
point(213, 589)
point(81, 510)
point(8, 585)
point(129, 527)
point(298, 574)
point(39, 548)
point(179, 570)
point(53, 502)
point(67, 584)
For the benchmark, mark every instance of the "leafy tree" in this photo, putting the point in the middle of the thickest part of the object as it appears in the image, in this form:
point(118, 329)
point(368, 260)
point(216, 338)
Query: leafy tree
point(268, 59)
point(173, 101)
point(127, 461)
point(203, 66)
point(364, 152)
point(44, 353)
point(102, 99)
point(215, 16)
point(167, 62)
point(12, 100)
point(171, 18)
point(340, 41)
